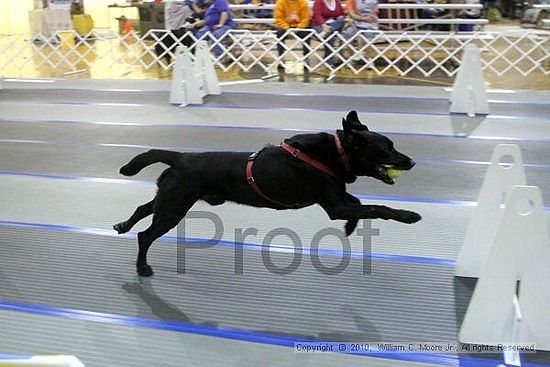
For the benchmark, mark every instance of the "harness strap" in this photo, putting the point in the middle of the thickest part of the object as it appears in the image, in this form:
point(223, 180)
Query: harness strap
point(342, 152)
point(254, 185)
point(295, 152)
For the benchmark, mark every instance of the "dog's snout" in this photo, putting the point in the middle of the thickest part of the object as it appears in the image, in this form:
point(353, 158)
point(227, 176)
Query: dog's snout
point(411, 163)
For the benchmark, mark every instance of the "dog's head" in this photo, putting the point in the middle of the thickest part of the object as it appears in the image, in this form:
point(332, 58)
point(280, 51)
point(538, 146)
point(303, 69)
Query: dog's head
point(371, 154)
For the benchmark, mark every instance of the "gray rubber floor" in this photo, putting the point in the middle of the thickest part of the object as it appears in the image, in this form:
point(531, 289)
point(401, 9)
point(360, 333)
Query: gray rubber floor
point(384, 305)
point(287, 88)
point(235, 139)
point(438, 106)
point(68, 286)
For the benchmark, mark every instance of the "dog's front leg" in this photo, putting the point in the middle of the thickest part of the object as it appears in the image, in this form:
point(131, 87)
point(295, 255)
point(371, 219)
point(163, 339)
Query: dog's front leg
point(351, 224)
point(343, 209)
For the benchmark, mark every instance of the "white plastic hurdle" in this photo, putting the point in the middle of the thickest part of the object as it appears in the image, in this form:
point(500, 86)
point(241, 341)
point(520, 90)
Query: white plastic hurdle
point(483, 226)
point(469, 95)
point(520, 252)
point(504, 245)
point(191, 81)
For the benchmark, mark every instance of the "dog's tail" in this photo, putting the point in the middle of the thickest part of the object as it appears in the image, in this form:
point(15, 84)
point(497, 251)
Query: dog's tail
point(143, 160)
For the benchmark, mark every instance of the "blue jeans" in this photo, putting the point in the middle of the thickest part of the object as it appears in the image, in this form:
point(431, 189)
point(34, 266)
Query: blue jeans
point(217, 33)
point(336, 26)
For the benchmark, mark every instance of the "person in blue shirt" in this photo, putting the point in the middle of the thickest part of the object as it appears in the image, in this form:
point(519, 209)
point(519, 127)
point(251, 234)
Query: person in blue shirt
point(217, 20)
point(198, 6)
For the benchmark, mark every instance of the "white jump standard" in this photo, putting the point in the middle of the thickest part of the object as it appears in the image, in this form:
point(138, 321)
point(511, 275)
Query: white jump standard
point(191, 81)
point(469, 95)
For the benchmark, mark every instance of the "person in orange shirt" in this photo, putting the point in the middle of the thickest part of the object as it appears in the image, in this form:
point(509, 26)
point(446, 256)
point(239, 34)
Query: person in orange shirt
point(292, 14)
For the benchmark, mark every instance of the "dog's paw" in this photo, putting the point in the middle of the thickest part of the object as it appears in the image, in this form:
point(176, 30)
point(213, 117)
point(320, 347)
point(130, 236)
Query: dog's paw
point(121, 228)
point(144, 270)
point(408, 217)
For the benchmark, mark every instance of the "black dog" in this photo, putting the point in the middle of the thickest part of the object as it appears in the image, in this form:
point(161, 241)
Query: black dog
point(282, 179)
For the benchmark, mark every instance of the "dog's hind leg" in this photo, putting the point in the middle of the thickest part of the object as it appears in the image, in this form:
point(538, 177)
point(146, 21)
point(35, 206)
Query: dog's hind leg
point(141, 212)
point(172, 202)
point(164, 219)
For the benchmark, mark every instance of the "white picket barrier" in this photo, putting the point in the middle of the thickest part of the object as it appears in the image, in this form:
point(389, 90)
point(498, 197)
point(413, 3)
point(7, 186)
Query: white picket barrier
point(469, 95)
point(500, 178)
point(39, 361)
point(192, 80)
point(498, 313)
point(403, 53)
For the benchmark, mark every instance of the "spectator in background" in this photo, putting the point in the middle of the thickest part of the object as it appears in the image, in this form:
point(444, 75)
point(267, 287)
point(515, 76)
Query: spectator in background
point(328, 17)
point(469, 14)
point(292, 14)
point(176, 14)
point(363, 14)
point(76, 8)
point(433, 14)
point(199, 8)
point(217, 20)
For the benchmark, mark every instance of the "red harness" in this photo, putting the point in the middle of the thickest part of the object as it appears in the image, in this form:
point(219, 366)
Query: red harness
point(295, 152)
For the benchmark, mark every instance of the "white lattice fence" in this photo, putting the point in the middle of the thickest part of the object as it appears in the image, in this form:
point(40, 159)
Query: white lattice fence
point(423, 54)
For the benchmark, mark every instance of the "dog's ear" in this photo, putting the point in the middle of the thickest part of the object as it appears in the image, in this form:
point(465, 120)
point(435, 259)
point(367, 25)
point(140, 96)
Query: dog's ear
point(351, 122)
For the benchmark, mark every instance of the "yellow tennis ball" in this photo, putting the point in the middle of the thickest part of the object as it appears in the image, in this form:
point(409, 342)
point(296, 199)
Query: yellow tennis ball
point(394, 173)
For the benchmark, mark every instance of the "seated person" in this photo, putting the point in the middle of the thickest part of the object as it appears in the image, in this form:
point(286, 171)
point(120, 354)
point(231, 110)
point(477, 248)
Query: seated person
point(363, 18)
point(76, 8)
point(328, 17)
point(291, 14)
point(469, 14)
point(176, 14)
point(217, 20)
point(198, 7)
point(433, 14)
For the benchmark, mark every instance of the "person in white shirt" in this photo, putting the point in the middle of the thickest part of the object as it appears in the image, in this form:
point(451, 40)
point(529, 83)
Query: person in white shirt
point(176, 16)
